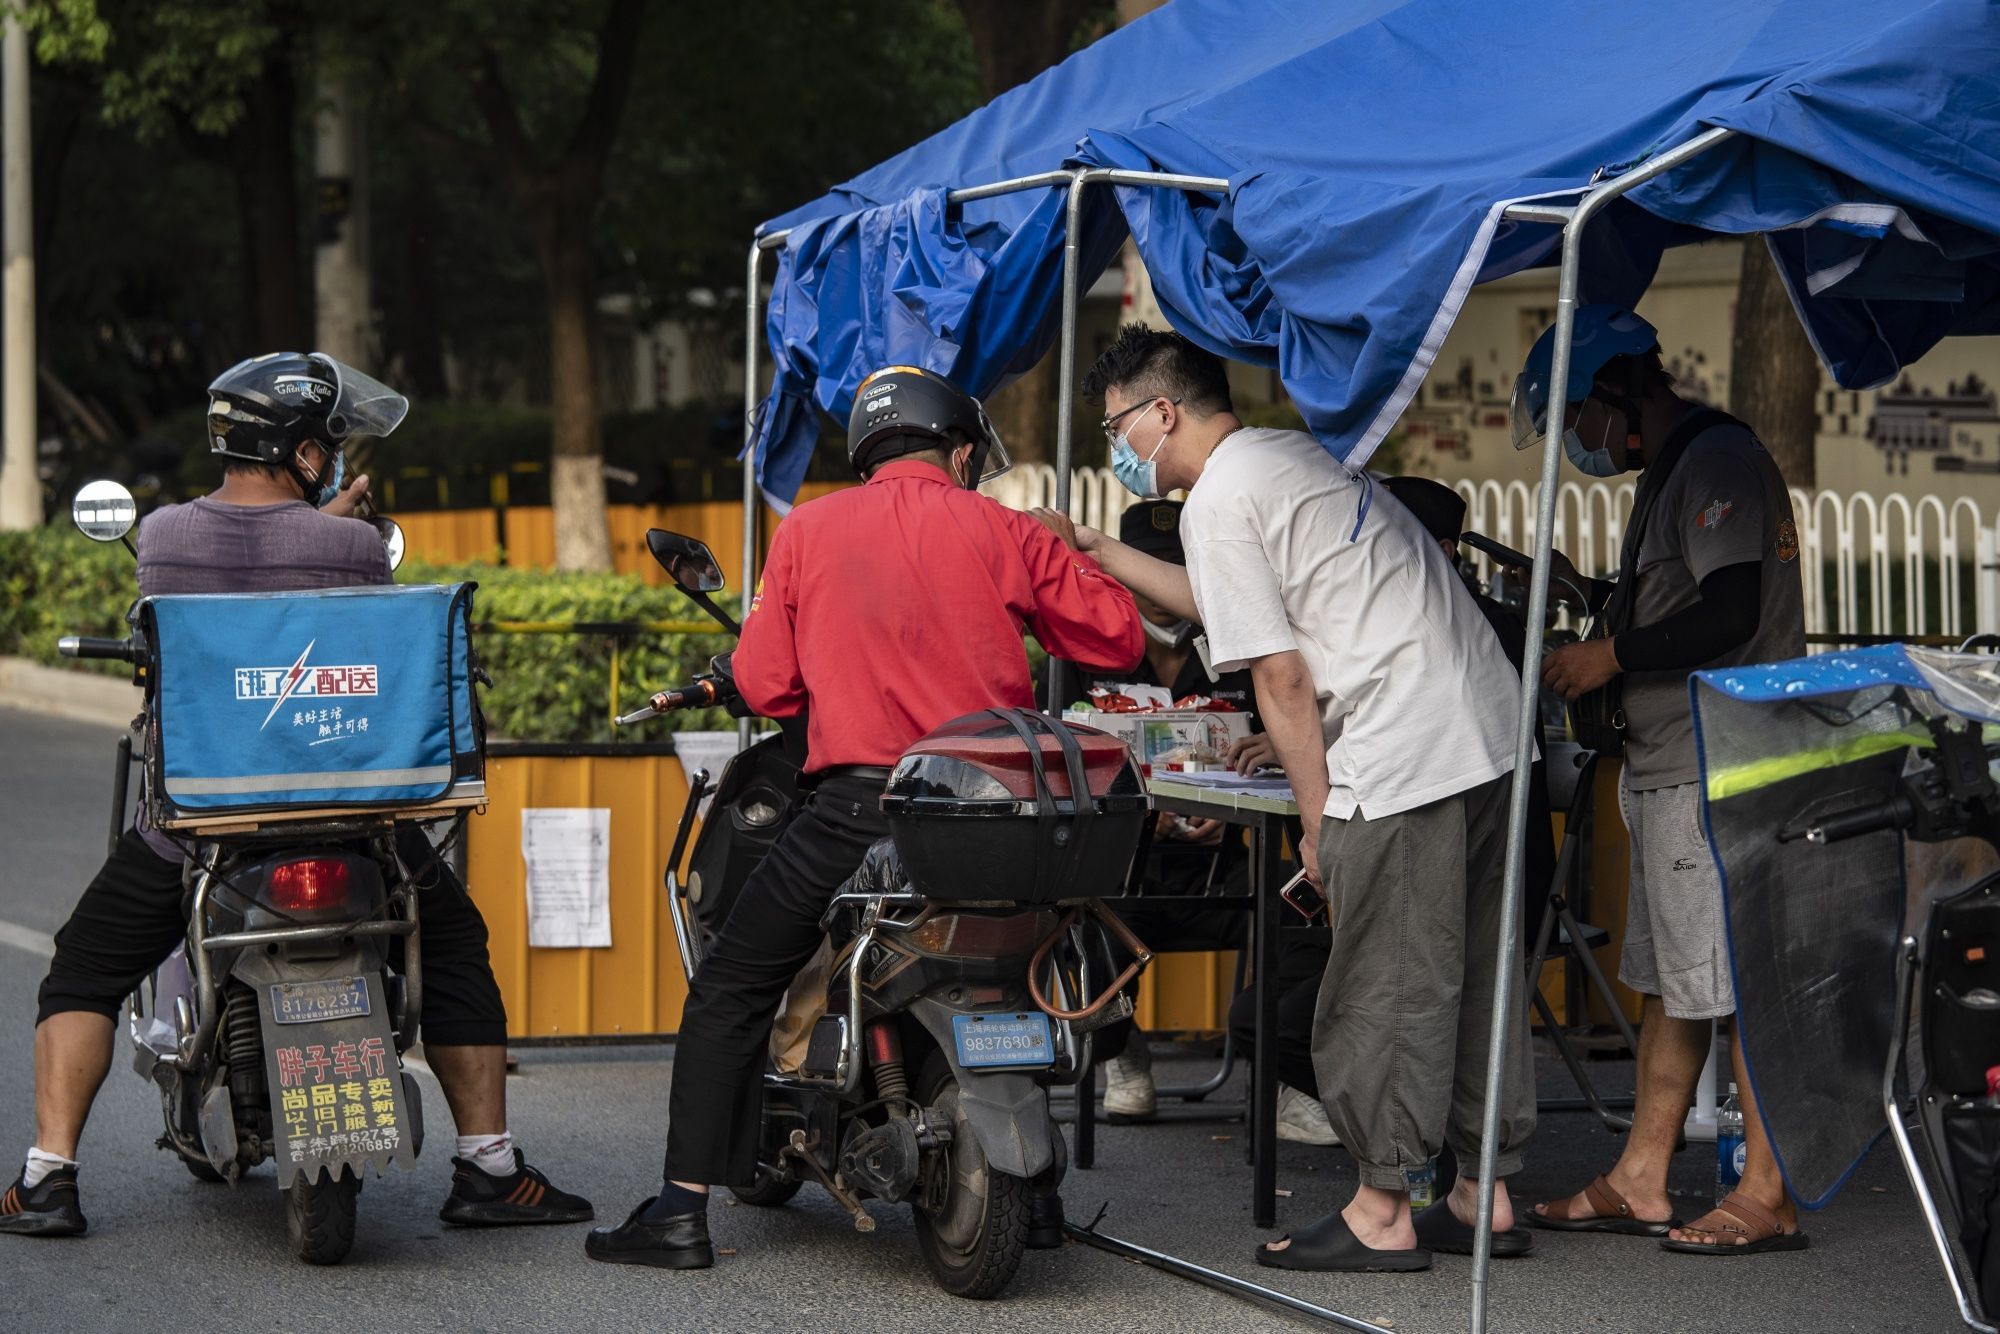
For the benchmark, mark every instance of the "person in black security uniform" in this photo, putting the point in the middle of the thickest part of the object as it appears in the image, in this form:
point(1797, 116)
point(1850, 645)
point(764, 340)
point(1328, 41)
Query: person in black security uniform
point(1189, 856)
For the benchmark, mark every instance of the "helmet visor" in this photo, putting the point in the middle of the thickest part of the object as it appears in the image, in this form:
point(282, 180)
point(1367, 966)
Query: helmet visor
point(362, 404)
point(1528, 410)
point(995, 460)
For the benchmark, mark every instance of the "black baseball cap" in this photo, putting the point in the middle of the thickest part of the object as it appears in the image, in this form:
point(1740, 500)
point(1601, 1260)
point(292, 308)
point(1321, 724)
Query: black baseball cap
point(1438, 508)
point(1154, 527)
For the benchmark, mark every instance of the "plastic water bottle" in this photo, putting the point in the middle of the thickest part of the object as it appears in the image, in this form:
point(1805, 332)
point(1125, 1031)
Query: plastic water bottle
point(1423, 1185)
point(1729, 1146)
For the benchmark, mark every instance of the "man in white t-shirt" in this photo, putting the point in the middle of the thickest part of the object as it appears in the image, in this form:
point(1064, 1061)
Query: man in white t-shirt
point(1393, 711)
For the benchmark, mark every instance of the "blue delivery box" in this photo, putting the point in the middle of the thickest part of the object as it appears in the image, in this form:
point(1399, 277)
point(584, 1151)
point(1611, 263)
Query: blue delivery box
point(281, 703)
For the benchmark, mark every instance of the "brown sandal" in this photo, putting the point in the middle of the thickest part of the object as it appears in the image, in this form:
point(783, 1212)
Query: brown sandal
point(1762, 1230)
point(1613, 1214)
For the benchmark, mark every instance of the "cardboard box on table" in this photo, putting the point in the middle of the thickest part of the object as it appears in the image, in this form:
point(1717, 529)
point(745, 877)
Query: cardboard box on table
point(1149, 734)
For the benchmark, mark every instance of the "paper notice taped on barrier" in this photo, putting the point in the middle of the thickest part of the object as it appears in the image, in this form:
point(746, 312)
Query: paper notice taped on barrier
point(568, 852)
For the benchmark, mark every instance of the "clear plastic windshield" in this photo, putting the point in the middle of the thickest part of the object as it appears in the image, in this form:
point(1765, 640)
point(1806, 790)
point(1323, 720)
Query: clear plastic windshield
point(362, 404)
point(1528, 424)
point(997, 460)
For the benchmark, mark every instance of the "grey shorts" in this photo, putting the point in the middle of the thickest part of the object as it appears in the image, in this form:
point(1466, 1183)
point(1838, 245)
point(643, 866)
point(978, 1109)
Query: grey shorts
point(1675, 945)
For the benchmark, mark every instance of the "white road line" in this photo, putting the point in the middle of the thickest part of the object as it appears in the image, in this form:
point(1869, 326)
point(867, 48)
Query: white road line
point(22, 938)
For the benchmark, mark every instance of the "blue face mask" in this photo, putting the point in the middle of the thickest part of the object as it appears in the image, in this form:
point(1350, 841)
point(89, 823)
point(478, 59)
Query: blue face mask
point(1599, 462)
point(329, 486)
point(1139, 476)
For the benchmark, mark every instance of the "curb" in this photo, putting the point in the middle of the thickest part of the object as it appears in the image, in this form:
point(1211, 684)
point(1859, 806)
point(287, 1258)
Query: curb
point(87, 697)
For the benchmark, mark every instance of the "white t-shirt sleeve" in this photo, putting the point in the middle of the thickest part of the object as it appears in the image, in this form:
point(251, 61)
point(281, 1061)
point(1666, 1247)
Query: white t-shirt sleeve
point(1242, 607)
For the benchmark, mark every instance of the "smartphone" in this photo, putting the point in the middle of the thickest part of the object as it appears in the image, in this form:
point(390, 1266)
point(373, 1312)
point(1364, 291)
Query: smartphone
point(1304, 896)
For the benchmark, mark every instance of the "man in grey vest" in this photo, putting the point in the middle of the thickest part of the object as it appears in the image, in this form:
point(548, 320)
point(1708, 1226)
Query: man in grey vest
point(1709, 578)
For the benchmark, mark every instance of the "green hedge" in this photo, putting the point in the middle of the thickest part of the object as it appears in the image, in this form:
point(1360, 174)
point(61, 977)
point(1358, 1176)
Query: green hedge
point(546, 687)
point(556, 687)
point(54, 581)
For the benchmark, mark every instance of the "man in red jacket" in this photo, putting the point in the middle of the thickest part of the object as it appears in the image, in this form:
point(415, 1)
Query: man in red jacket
point(885, 611)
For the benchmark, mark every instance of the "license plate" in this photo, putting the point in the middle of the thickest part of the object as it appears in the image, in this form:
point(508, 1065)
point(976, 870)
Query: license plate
point(986, 1040)
point(318, 1002)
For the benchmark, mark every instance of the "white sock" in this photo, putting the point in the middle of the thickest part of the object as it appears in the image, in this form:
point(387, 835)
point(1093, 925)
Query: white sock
point(491, 1154)
point(39, 1165)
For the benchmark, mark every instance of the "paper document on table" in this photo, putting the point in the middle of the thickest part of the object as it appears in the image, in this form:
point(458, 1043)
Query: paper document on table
point(1227, 780)
point(568, 852)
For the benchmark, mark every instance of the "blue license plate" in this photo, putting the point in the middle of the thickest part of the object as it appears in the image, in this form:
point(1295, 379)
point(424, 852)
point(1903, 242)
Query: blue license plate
point(987, 1040)
point(318, 1002)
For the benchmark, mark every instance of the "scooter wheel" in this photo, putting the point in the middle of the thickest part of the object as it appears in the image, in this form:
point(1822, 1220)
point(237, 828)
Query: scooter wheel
point(201, 1171)
point(766, 1192)
point(973, 1242)
point(319, 1216)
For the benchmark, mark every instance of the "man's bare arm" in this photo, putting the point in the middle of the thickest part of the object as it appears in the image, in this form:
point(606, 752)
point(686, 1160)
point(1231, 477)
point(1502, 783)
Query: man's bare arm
point(1164, 582)
point(1288, 703)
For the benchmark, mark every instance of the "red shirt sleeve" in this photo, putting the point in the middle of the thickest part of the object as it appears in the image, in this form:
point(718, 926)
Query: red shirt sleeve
point(1080, 613)
point(767, 657)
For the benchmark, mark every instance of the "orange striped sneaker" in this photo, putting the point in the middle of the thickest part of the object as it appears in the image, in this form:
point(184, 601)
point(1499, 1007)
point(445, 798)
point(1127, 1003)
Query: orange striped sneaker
point(480, 1199)
point(48, 1210)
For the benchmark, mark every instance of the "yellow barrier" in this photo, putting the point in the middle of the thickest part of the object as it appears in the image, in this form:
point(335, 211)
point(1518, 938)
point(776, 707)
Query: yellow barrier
point(451, 537)
point(636, 985)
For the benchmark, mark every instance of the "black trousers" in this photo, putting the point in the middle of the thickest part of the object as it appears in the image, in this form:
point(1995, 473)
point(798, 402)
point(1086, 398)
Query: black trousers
point(1302, 951)
point(131, 917)
point(715, 1111)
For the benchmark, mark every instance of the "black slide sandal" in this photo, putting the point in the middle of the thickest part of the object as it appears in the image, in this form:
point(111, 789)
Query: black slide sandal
point(1330, 1247)
point(1438, 1229)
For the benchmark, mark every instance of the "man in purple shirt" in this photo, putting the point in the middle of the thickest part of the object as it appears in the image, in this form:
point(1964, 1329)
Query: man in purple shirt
point(281, 521)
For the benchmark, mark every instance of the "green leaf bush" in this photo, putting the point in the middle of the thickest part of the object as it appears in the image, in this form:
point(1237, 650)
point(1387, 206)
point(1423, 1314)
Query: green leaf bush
point(54, 581)
point(556, 687)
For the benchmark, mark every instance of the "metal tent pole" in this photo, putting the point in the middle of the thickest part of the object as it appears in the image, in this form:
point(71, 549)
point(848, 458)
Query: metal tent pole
point(750, 332)
point(1524, 739)
point(1066, 388)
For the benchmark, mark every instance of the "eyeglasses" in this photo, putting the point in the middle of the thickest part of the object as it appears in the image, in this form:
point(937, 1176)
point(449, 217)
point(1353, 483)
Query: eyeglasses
point(1110, 424)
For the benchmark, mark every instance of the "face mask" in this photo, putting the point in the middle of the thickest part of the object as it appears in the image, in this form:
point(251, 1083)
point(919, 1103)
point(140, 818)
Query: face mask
point(1600, 462)
point(330, 485)
point(1168, 636)
point(1139, 476)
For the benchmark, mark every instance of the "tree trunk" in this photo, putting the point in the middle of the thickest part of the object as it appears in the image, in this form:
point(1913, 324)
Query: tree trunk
point(422, 340)
point(1025, 412)
point(1774, 374)
point(576, 476)
point(1014, 40)
point(265, 160)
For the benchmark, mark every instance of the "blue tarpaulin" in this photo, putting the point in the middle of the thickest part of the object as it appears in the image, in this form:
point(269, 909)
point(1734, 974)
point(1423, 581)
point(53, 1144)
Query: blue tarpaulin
point(1370, 148)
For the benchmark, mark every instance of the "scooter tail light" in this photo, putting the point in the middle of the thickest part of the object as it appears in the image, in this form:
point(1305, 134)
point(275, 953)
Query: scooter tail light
point(971, 935)
point(309, 884)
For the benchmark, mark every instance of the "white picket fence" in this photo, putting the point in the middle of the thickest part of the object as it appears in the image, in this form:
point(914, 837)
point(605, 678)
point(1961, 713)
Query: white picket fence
point(1873, 565)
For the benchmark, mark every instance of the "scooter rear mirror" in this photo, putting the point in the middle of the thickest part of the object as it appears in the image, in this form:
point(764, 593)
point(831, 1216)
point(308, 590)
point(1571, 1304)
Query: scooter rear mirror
point(104, 511)
point(689, 563)
point(392, 540)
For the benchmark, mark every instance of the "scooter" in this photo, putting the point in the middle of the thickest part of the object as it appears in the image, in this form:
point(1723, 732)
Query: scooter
point(955, 987)
point(276, 1031)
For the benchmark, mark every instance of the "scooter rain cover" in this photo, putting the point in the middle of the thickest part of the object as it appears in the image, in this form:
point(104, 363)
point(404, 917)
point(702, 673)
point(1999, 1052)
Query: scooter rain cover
point(340, 697)
point(1813, 928)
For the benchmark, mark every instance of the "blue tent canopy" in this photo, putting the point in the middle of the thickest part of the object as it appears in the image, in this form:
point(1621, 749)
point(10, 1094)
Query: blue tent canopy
point(1371, 147)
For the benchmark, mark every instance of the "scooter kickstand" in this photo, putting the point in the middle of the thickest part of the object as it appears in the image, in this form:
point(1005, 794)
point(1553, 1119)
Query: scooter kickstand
point(844, 1198)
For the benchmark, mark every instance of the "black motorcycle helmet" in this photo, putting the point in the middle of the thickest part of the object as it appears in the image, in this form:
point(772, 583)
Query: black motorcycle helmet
point(902, 409)
point(261, 410)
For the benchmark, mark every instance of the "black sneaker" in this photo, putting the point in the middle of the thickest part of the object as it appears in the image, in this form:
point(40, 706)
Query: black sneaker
point(480, 1199)
point(51, 1209)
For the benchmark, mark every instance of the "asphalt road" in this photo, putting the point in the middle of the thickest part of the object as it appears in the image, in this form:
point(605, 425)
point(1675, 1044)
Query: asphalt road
point(168, 1253)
